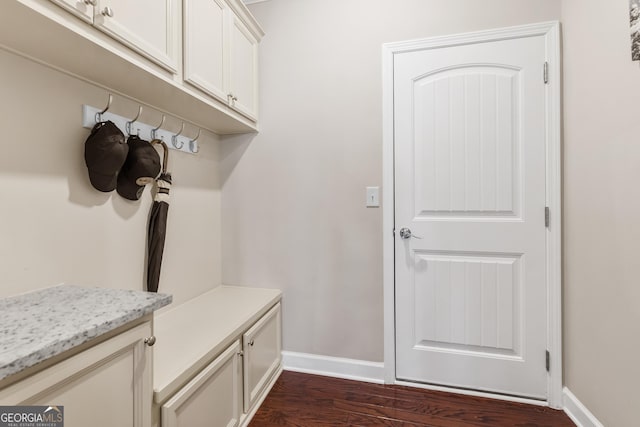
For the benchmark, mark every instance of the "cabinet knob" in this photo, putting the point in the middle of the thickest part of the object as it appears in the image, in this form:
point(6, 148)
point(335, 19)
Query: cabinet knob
point(150, 341)
point(251, 342)
point(107, 11)
point(91, 2)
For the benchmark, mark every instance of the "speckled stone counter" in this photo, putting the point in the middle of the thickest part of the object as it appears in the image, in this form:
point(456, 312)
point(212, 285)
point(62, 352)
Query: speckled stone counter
point(42, 324)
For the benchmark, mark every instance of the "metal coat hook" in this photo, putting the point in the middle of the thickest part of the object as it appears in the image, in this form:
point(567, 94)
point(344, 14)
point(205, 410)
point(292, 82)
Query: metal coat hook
point(193, 143)
point(174, 138)
point(165, 155)
point(100, 113)
point(135, 119)
point(154, 130)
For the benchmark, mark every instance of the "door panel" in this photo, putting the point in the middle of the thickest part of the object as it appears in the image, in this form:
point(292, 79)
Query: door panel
point(212, 398)
point(206, 51)
point(147, 26)
point(468, 300)
point(244, 70)
point(470, 184)
point(467, 163)
point(262, 346)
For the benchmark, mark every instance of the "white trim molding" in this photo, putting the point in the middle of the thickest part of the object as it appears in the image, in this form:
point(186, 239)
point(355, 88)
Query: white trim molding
point(578, 413)
point(337, 367)
point(551, 32)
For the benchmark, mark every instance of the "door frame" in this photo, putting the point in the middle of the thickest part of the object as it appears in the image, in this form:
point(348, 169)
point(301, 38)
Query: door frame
point(551, 33)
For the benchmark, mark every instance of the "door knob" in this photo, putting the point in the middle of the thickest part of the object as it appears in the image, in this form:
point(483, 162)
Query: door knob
point(405, 233)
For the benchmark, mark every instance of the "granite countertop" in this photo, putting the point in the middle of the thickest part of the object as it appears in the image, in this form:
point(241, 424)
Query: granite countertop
point(39, 325)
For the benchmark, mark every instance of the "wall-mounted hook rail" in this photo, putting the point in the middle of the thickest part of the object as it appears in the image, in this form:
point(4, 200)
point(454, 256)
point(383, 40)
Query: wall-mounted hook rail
point(91, 115)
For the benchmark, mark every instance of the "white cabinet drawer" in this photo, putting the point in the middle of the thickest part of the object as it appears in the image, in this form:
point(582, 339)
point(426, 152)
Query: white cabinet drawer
point(212, 398)
point(262, 354)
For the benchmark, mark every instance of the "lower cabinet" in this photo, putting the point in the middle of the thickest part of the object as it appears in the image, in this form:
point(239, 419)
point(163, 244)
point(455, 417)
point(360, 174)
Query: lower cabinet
point(212, 398)
point(107, 385)
point(262, 355)
point(230, 387)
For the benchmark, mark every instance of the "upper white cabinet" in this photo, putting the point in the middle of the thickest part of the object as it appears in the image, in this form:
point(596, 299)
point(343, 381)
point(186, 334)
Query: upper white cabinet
point(243, 72)
point(221, 53)
point(195, 59)
point(206, 46)
point(146, 26)
point(83, 9)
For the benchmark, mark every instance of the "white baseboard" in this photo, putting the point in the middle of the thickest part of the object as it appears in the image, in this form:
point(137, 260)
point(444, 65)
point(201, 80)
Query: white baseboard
point(337, 367)
point(578, 413)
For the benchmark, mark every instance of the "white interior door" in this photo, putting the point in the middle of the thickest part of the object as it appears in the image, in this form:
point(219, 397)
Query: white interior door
point(469, 141)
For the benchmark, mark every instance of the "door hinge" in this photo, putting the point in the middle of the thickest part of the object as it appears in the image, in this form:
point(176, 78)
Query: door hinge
point(545, 73)
point(547, 216)
point(547, 360)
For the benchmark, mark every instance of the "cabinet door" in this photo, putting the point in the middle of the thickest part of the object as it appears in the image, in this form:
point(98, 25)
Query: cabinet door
point(83, 9)
point(212, 398)
point(107, 385)
point(147, 26)
point(206, 46)
point(243, 72)
point(262, 346)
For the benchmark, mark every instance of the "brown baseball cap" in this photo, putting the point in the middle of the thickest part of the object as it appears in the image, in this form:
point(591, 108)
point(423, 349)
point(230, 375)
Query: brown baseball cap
point(105, 151)
point(141, 168)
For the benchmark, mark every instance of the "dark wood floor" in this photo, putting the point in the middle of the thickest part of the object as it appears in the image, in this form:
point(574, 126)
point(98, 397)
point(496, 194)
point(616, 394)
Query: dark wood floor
point(313, 401)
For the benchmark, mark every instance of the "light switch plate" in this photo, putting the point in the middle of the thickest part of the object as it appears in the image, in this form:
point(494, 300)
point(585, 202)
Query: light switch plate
point(373, 197)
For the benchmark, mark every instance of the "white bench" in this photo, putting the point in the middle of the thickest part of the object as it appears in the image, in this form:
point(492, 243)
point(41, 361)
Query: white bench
point(216, 357)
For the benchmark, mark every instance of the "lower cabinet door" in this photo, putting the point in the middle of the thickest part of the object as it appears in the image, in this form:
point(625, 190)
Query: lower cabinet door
point(212, 398)
point(262, 346)
point(104, 386)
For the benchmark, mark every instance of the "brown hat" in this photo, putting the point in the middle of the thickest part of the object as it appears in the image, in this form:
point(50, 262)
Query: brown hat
point(141, 168)
point(105, 151)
